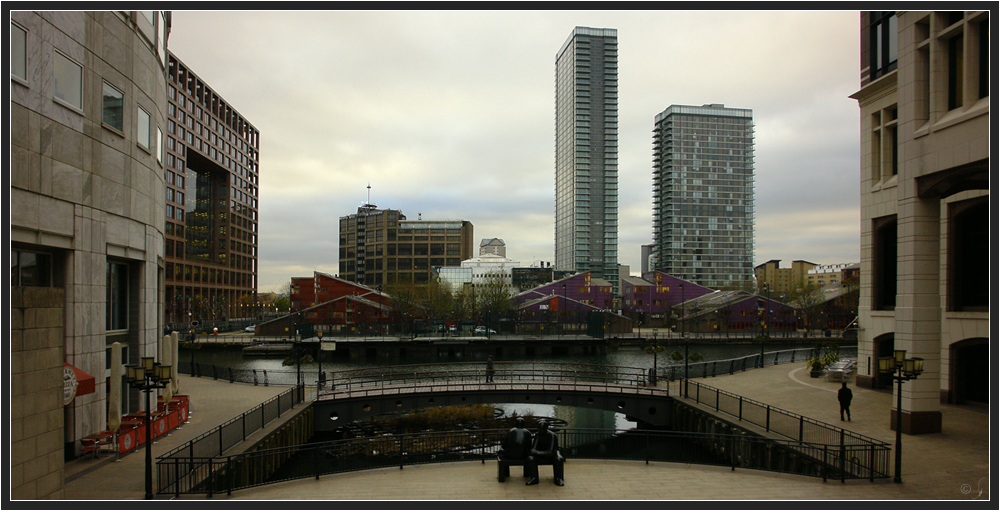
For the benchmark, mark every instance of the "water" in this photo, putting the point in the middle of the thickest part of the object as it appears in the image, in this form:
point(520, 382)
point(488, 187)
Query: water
point(575, 417)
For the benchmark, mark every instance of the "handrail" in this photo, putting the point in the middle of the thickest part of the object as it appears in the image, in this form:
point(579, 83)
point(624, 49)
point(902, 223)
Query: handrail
point(224, 474)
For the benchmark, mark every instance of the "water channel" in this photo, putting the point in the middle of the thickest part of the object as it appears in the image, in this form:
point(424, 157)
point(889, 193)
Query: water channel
point(575, 417)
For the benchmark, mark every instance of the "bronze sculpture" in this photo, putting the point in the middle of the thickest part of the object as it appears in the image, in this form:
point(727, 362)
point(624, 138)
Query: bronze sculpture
point(518, 442)
point(544, 449)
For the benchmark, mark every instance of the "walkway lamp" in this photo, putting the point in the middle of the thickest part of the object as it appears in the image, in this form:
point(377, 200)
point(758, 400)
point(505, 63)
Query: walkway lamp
point(900, 369)
point(319, 361)
point(147, 376)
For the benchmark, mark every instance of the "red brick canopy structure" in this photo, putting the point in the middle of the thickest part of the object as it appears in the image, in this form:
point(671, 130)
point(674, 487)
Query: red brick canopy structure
point(333, 306)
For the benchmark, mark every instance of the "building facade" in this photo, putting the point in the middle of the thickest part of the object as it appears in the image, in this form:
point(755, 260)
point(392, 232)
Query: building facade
point(781, 282)
point(332, 306)
point(649, 299)
point(826, 274)
point(212, 180)
point(381, 247)
point(925, 153)
point(87, 104)
point(586, 153)
point(493, 246)
point(703, 194)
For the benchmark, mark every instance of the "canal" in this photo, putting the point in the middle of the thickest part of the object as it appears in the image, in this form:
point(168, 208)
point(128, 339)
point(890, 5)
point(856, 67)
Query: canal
point(221, 359)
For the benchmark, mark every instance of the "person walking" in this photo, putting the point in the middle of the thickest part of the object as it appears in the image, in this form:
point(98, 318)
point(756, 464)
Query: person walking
point(844, 395)
point(489, 369)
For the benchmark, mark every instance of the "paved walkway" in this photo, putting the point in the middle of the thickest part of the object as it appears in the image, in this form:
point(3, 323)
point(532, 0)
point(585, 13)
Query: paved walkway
point(951, 465)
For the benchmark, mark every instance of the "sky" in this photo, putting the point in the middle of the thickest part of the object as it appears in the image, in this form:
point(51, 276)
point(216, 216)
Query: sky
point(450, 115)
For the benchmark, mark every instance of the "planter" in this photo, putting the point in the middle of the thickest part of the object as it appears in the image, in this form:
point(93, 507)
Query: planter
point(814, 373)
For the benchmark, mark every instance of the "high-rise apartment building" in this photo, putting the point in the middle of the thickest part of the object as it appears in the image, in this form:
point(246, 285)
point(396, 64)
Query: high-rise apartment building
point(380, 246)
point(925, 207)
point(586, 159)
point(703, 194)
point(212, 178)
point(87, 103)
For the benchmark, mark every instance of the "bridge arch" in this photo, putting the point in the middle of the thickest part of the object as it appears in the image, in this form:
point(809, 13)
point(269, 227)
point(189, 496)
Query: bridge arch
point(651, 407)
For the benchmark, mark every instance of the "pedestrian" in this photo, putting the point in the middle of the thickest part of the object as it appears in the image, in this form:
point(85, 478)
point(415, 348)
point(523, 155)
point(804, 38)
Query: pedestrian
point(489, 369)
point(844, 395)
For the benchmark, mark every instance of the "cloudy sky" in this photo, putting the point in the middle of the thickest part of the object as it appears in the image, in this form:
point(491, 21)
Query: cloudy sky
point(449, 115)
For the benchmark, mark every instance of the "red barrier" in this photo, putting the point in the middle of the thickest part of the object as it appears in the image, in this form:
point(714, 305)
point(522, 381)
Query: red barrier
point(169, 419)
point(127, 440)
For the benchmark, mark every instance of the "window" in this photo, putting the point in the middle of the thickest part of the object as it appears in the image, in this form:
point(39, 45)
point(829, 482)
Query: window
point(142, 128)
point(112, 102)
point(884, 263)
point(30, 269)
point(116, 317)
point(68, 81)
point(984, 59)
point(883, 43)
point(956, 57)
point(159, 145)
point(18, 52)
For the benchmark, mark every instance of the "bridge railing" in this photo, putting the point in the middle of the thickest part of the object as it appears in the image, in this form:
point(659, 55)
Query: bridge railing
point(400, 378)
point(220, 474)
point(868, 457)
point(185, 465)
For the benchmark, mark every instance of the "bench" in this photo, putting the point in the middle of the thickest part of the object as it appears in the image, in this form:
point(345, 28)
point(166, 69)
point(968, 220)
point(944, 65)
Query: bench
point(504, 464)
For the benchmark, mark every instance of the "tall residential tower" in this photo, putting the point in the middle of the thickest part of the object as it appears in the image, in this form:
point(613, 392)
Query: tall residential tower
point(586, 182)
point(703, 194)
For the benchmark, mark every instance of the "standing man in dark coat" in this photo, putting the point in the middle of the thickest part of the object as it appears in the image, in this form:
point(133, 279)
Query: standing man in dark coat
point(844, 395)
point(489, 369)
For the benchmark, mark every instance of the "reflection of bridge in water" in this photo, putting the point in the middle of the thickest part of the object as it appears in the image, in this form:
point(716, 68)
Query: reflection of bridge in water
point(367, 392)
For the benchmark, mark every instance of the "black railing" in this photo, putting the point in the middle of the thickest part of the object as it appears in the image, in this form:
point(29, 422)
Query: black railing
point(866, 457)
point(247, 470)
point(711, 368)
point(184, 467)
point(399, 378)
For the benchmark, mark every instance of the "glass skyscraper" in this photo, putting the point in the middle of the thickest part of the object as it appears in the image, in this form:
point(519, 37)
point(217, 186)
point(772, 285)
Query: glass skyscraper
point(586, 161)
point(703, 194)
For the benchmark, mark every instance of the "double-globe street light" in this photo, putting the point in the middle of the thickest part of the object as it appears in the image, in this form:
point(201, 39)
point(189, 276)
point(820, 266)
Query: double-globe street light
point(900, 369)
point(147, 376)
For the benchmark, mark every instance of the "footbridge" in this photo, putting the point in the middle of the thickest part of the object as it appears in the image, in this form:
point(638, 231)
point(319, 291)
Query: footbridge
point(361, 393)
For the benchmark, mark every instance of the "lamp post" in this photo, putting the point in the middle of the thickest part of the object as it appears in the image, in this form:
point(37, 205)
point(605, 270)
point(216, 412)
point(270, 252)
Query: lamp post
point(147, 376)
point(763, 332)
point(900, 369)
point(319, 361)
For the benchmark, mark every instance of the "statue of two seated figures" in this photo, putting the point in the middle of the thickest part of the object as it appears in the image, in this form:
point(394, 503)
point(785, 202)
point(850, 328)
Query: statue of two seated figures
point(522, 448)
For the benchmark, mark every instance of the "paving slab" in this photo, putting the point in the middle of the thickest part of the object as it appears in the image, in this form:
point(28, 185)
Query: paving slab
point(949, 466)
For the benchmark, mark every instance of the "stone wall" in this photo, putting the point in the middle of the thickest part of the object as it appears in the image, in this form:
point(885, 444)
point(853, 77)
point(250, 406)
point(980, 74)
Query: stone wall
point(36, 351)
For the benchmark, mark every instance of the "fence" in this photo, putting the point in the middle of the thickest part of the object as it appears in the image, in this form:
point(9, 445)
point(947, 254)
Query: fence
point(864, 457)
point(186, 466)
point(247, 470)
point(704, 369)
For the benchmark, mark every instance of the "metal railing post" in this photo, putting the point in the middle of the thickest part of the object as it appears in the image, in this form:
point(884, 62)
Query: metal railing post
point(229, 475)
point(740, 416)
point(826, 463)
point(767, 420)
point(843, 457)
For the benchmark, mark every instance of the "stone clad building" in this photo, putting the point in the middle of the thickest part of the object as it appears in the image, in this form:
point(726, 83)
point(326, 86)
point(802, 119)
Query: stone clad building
point(87, 106)
point(925, 160)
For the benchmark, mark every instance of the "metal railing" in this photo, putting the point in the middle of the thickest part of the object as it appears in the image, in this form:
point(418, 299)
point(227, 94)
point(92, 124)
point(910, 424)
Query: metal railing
point(867, 457)
point(711, 368)
point(459, 376)
point(183, 466)
point(251, 469)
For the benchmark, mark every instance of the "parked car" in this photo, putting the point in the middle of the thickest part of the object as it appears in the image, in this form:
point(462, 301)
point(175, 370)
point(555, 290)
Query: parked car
point(481, 330)
point(251, 329)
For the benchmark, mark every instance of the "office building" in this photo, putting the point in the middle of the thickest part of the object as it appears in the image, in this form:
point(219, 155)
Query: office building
point(586, 154)
point(381, 247)
point(703, 195)
point(493, 246)
point(782, 282)
point(212, 179)
point(925, 207)
point(87, 104)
